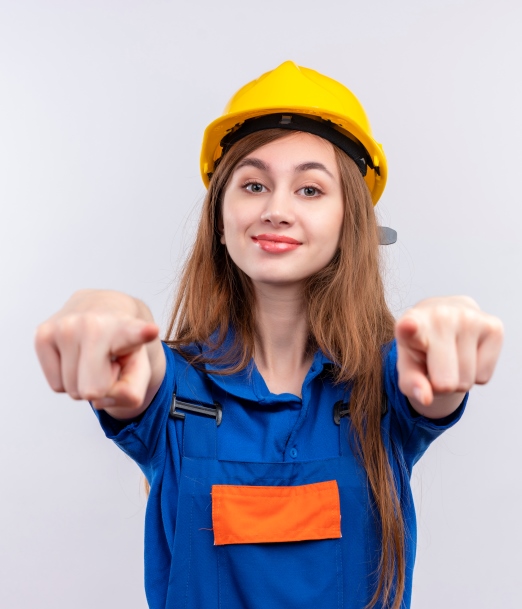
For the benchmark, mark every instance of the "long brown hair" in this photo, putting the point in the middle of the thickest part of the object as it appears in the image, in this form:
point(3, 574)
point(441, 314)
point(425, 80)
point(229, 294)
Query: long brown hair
point(349, 321)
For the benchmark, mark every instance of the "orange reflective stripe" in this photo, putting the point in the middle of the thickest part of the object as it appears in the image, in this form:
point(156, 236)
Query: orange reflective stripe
point(262, 514)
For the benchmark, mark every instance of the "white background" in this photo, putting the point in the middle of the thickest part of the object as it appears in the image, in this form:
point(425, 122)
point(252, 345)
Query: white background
point(102, 108)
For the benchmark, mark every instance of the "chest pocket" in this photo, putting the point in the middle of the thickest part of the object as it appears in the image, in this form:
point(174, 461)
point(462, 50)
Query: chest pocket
point(278, 546)
point(275, 514)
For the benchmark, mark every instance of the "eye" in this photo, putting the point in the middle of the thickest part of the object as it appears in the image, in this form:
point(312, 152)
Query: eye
point(310, 191)
point(254, 187)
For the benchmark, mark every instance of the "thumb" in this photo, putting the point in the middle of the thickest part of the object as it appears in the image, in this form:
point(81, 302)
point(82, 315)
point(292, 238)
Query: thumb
point(133, 376)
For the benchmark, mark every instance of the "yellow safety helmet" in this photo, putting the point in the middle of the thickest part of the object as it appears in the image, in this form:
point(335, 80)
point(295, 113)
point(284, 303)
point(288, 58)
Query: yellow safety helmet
point(301, 99)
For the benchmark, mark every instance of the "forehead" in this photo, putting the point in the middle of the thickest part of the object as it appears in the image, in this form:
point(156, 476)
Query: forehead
point(294, 149)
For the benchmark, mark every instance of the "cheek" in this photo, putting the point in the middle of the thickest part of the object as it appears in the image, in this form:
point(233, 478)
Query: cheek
point(236, 221)
point(233, 226)
point(330, 228)
point(330, 236)
point(237, 217)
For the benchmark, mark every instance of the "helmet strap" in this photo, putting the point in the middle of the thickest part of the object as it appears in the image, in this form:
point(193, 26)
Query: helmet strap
point(299, 122)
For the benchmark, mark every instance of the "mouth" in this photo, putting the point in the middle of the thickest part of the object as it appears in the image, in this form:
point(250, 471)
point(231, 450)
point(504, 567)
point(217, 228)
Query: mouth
point(275, 244)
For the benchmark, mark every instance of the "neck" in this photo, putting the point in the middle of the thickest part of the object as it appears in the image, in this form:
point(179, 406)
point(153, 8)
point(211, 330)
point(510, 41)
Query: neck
point(282, 335)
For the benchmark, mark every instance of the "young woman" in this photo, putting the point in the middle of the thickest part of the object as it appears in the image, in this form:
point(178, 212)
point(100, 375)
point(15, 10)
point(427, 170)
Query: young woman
point(278, 424)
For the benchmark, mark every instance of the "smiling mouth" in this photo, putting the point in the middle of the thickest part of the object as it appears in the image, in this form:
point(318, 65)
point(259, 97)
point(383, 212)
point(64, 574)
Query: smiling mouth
point(276, 244)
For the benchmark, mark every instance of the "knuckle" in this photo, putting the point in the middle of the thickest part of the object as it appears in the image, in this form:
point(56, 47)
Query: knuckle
point(71, 389)
point(469, 319)
point(464, 386)
point(93, 324)
point(79, 326)
point(43, 335)
point(496, 328)
point(484, 376)
point(102, 404)
point(470, 302)
point(67, 328)
point(93, 393)
point(467, 378)
point(444, 385)
point(443, 316)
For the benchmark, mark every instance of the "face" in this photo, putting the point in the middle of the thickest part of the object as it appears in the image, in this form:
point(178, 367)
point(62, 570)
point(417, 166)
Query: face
point(283, 210)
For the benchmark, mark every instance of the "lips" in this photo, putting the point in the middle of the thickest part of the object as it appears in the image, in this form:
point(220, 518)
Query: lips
point(276, 244)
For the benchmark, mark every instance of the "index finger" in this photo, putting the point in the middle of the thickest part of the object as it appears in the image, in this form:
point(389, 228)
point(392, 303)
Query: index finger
point(409, 332)
point(48, 357)
point(134, 334)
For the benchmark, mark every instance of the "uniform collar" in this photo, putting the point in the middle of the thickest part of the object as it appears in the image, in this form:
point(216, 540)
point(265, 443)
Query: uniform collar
point(248, 384)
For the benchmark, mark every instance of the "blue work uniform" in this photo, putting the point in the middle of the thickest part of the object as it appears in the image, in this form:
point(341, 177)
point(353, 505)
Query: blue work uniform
point(264, 440)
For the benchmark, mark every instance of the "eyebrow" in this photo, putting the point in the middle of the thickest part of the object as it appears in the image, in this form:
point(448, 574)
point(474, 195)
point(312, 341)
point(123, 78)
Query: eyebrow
point(253, 162)
point(313, 165)
point(262, 166)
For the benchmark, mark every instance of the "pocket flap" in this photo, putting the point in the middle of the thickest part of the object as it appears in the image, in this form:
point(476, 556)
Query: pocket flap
point(263, 514)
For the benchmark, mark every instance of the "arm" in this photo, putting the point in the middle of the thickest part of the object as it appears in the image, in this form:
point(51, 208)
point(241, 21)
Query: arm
point(445, 346)
point(103, 346)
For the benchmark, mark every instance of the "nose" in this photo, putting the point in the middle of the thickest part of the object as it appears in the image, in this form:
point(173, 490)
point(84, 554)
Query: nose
point(278, 210)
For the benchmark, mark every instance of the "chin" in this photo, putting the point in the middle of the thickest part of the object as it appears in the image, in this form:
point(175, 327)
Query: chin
point(278, 279)
point(279, 274)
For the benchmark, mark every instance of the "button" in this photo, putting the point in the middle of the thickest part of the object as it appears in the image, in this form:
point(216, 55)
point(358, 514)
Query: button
point(293, 453)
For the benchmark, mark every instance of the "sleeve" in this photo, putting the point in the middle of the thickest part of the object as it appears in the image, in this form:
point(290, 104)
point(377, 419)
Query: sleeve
point(412, 430)
point(144, 438)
